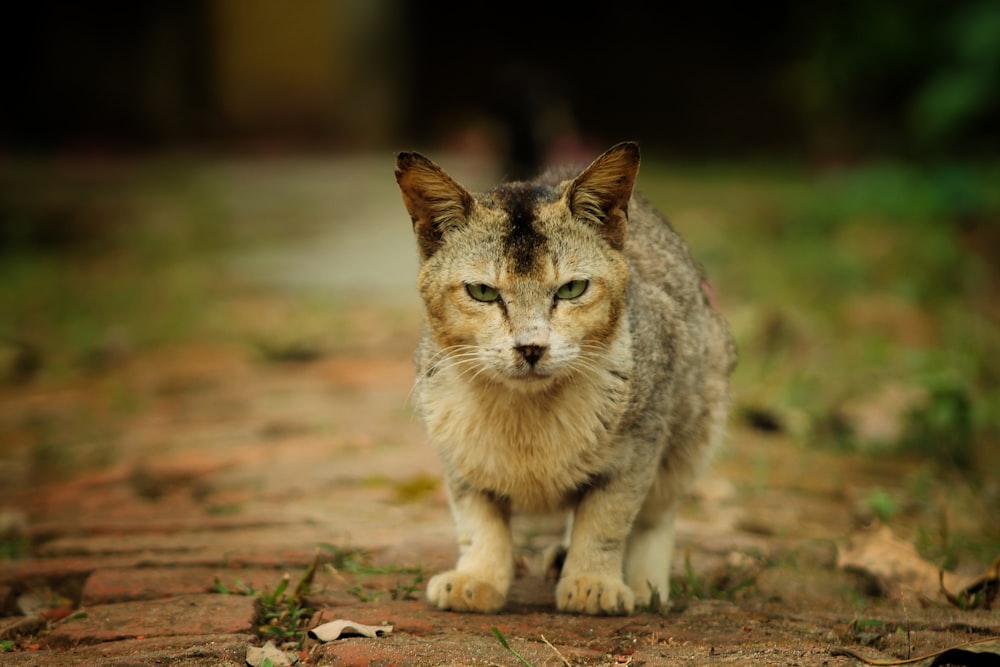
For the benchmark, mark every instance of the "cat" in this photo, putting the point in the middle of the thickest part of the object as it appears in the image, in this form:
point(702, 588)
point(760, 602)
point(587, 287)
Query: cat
point(570, 360)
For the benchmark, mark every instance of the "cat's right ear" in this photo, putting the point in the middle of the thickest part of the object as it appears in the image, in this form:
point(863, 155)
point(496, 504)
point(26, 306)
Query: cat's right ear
point(435, 202)
point(600, 195)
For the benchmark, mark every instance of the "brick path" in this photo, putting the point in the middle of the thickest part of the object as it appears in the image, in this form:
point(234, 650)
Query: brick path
point(130, 556)
point(327, 453)
point(135, 549)
point(199, 467)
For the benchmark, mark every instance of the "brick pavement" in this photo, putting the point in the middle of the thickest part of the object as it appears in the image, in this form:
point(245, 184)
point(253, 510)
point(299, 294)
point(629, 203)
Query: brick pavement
point(198, 467)
point(139, 573)
point(130, 559)
point(134, 556)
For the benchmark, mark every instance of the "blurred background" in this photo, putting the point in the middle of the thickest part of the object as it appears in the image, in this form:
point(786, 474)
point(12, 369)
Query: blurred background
point(818, 81)
point(220, 172)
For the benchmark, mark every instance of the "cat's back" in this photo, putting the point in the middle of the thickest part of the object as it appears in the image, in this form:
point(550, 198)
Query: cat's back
point(680, 339)
point(659, 257)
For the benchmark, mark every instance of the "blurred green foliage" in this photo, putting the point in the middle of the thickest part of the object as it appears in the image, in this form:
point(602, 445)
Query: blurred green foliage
point(943, 429)
point(920, 73)
point(845, 283)
point(92, 264)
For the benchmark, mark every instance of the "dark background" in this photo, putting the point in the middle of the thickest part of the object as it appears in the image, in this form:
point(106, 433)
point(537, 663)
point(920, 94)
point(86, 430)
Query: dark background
point(819, 81)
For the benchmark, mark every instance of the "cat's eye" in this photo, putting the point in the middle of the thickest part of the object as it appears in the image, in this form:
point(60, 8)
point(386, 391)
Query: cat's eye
point(481, 292)
point(572, 289)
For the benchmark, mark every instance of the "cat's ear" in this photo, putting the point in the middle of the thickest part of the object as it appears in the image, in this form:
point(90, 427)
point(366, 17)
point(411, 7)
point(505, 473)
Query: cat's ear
point(435, 201)
point(600, 194)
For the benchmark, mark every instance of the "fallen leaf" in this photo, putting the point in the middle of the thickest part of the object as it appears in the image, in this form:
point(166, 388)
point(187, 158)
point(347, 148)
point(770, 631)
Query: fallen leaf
point(981, 652)
point(39, 600)
point(980, 592)
point(257, 656)
point(894, 563)
point(344, 628)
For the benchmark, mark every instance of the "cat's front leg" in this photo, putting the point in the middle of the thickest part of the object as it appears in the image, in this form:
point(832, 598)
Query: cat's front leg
point(485, 567)
point(591, 581)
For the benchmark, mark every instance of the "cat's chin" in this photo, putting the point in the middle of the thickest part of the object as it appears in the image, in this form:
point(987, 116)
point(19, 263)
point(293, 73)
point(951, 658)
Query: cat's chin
point(529, 382)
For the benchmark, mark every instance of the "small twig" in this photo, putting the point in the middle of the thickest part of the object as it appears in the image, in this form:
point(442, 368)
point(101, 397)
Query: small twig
point(960, 654)
point(561, 656)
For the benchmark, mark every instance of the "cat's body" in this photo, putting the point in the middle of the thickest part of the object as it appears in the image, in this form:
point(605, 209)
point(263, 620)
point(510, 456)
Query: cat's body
point(570, 361)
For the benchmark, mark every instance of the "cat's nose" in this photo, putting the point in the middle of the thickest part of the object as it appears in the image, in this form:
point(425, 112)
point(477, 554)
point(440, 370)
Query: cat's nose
point(531, 353)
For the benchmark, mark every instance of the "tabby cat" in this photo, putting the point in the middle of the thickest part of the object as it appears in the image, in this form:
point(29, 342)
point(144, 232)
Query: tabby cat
point(570, 361)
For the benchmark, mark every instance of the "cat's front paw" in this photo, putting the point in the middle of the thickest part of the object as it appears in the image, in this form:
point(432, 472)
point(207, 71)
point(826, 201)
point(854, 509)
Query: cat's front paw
point(461, 592)
point(590, 594)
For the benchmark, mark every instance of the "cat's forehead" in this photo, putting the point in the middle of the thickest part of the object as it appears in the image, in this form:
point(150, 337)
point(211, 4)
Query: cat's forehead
point(520, 202)
point(519, 205)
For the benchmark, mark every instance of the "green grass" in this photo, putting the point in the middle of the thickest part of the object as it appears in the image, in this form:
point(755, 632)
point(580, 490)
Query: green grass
point(359, 566)
point(283, 612)
point(506, 645)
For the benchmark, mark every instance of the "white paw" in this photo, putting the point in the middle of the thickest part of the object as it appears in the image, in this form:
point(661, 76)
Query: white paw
point(462, 592)
point(587, 594)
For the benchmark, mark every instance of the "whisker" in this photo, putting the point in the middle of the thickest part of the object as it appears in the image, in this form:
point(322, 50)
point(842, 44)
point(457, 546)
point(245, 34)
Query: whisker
point(466, 361)
point(456, 355)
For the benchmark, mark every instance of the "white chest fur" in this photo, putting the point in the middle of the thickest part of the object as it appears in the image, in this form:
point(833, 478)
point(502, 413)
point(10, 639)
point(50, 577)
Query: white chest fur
point(535, 448)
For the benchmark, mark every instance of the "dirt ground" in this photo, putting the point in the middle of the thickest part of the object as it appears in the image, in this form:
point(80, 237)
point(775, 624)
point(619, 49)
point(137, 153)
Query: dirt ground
point(212, 468)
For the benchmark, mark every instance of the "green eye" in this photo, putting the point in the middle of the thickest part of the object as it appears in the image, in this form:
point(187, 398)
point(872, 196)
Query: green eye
point(481, 292)
point(572, 289)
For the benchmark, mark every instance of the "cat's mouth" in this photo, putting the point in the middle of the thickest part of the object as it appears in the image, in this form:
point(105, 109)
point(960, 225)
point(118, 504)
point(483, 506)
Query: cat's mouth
point(530, 377)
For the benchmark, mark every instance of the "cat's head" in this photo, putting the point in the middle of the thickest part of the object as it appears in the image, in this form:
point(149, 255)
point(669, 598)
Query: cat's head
point(524, 284)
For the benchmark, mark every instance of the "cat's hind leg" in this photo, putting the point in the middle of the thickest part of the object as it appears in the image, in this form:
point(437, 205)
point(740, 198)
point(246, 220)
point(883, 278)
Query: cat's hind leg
point(555, 556)
point(649, 550)
point(648, 555)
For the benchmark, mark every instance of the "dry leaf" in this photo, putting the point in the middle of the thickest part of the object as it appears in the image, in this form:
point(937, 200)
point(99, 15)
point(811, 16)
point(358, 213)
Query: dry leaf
point(39, 600)
point(893, 563)
point(343, 628)
point(256, 656)
point(980, 592)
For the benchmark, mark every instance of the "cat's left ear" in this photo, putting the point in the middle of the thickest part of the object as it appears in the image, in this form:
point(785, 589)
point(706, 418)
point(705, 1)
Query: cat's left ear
point(435, 201)
point(600, 194)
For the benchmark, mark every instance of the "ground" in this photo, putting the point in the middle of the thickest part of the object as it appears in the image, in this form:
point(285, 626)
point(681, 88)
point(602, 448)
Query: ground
point(157, 492)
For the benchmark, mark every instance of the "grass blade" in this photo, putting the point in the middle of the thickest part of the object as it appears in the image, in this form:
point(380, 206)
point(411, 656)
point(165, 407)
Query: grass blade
point(503, 642)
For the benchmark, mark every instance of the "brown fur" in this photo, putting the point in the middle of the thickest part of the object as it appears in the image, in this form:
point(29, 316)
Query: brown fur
point(606, 402)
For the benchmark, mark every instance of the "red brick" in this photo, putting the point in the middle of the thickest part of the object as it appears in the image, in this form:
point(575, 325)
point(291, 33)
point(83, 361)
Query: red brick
point(181, 615)
point(151, 583)
point(186, 650)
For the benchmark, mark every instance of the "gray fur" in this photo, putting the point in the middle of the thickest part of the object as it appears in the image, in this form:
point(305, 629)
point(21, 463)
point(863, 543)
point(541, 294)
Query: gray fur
point(615, 411)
